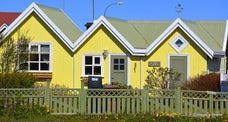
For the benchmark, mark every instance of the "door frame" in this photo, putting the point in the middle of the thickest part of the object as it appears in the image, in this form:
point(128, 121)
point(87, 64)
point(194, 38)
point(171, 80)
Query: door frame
point(128, 66)
point(181, 55)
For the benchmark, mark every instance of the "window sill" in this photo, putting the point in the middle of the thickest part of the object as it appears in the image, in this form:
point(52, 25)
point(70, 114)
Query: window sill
point(86, 76)
point(43, 75)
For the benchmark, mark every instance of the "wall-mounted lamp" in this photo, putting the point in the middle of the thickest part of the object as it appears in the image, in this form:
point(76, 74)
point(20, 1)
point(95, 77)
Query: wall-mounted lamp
point(105, 53)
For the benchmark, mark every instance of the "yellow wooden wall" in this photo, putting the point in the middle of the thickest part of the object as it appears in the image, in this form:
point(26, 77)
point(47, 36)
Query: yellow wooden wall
point(197, 59)
point(101, 39)
point(62, 61)
point(67, 66)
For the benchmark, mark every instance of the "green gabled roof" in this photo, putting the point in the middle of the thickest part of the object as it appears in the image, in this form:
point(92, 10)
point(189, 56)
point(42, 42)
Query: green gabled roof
point(59, 18)
point(210, 32)
point(140, 34)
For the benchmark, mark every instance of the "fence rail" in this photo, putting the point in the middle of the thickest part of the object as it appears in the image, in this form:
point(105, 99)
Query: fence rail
point(111, 101)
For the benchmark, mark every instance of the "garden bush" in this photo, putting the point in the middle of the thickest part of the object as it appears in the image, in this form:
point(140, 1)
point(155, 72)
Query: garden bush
point(162, 78)
point(204, 82)
point(17, 80)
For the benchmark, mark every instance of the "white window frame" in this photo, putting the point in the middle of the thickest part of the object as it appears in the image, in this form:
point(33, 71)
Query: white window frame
point(182, 39)
point(39, 53)
point(93, 64)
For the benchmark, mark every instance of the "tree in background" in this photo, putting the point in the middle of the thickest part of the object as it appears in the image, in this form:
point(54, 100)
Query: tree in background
point(162, 78)
point(13, 53)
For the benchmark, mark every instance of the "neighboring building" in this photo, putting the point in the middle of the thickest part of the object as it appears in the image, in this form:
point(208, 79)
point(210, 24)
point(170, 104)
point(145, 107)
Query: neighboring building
point(118, 50)
point(6, 18)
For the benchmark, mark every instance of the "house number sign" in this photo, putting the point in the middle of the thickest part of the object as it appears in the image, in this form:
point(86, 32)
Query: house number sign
point(154, 64)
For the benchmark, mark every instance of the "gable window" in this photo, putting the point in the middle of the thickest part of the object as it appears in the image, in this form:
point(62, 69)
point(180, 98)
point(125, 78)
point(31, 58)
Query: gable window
point(92, 65)
point(37, 59)
point(179, 43)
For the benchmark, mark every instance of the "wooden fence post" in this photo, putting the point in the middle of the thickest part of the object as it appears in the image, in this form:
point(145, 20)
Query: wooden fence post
point(178, 104)
point(144, 100)
point(82, 99)
point(211, 106)
point(47, 93)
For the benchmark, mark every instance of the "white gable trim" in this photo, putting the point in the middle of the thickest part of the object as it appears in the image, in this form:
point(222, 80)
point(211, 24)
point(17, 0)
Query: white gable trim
point(4, 26)
point(115, 33)
point(225, 37)
point(179, 23)
point(34, 8)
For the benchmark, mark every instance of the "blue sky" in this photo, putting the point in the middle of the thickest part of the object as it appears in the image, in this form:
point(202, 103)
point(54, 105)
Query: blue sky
point(80, 11)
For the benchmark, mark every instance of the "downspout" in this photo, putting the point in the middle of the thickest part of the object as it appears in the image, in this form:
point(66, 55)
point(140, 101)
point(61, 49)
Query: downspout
point(140, 72)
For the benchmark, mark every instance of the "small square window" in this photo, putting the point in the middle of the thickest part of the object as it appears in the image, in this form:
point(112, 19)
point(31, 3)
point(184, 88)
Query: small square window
point(92, 65)
point(179, 43)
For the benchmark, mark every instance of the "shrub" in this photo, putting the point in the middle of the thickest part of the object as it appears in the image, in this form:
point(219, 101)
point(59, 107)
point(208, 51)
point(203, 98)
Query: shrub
point(161, 78)
point(204, 82)
point(30, 111)
point(17, 80)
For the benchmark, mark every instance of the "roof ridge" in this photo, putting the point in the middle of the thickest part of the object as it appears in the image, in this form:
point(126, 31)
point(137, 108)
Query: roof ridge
point(41, 5)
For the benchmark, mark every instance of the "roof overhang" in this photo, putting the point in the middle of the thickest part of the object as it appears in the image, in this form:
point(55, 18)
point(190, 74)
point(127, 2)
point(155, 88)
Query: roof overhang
point(225, 37)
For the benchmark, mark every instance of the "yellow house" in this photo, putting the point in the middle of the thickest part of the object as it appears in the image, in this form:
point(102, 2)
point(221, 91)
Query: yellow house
point(53, 35)
point(121, 51)
point(118, 50)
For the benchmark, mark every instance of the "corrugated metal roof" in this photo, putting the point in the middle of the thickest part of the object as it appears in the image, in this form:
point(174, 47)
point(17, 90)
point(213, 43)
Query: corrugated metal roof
point(62, 22)
point(210, 32)
point(140, 34)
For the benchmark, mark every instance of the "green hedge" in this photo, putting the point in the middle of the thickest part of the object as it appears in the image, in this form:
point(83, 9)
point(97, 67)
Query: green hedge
point(17, 80)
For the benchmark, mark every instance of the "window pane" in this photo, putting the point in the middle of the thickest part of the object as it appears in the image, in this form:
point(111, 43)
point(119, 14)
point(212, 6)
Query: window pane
point(44, 66)
point(116, 67)
point(97, 60)
point(88, 70)
point(88, 59)
point(116, 61)
point(34, 57)
point(179, 43)
point(121, 61)
point(23, 57)
point(34, 66)
point(121, 67)
point(23, 66)
point(97, 70)
point(44, 48)
point(34, 48)
point(44, 57)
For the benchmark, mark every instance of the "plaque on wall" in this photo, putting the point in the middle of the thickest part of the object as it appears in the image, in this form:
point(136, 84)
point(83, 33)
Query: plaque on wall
point(154, 64)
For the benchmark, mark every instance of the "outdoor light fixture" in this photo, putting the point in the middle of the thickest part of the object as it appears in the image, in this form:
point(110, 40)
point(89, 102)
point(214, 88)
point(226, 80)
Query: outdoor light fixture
point(116, 3)
point(105, 53)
